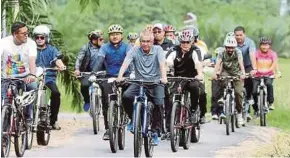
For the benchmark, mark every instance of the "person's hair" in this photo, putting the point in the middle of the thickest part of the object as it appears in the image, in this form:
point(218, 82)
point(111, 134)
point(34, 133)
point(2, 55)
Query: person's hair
point(240, 28)
point(146, 33)
point(16, 26)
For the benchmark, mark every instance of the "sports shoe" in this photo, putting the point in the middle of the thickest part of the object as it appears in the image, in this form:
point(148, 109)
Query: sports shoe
point(106, 135)
point(249, 117)
point(215, 117)
point(221, 101)
point(202, 120)
point(240, 119)
point(86, 107)
point(271, 107)
point(155, 140)
point(222, 116)
point(130, 127)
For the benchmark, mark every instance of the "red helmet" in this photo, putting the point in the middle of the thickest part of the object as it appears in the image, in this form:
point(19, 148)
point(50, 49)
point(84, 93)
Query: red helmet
point(169, 28)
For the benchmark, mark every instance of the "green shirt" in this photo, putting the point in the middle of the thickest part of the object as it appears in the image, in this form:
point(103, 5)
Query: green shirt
point(230, 62)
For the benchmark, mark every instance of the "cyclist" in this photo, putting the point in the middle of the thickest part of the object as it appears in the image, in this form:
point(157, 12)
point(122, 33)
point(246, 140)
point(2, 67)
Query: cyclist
point(149, 63)
point(230, 63)
point(132, 37)
point(185, 62)
point(159, 37)
point(48, 57)
point(112, 55)
point(86, 60)
point(170, 33)
point(266, 62)
point(248, 48)
point(18, 56)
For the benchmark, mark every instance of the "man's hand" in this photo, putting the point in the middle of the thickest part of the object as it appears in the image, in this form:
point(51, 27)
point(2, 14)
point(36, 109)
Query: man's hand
point(62, 68)
point(119, 79)
point(243, 76)
point(77, 72)
point(164, 80)
point(199, 77)
point(29, 79)
point(253, 72)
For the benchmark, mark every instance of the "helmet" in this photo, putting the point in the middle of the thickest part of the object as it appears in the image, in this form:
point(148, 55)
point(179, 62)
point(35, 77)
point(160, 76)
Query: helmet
point(186, 35)
point(265, 40)
point(95, 34)
point(218, 50)
point(169, 28)
point(42, 30)
point(231, 34)
point(26, 99)
point(230, 41)
point(132, 36)
point(115, 28)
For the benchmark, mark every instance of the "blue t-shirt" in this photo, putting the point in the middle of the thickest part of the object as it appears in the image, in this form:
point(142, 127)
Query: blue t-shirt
point(247, 47)
point(46, 59)
point(114, 57)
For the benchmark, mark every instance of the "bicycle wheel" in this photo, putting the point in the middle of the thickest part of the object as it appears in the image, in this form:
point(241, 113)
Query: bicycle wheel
point(29, 133)
point(227, 113)
point(94, 103)
point(43, 134)
point(148, 147)
point(175, 126)
point(113, 125)
point(186, 132)
point(233, 122)
point(195, 131)
point(5, 129)
point(121, 130)
point(20, 135)
point(138, 140)
point(261, 102)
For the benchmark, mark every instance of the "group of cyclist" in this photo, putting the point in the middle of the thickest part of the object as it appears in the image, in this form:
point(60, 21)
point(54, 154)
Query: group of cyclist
point(147, 56)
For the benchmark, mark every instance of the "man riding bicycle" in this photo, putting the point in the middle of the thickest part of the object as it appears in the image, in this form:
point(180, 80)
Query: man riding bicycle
point(185, 62)
point(149, 64)
point(111, 55)
point(266, 62)
point(48, 57)
point(230, 63)
point(132, 37)
point(18, 56)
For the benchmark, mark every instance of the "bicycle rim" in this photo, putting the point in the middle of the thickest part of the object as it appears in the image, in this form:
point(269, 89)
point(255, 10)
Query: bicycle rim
point(113, 125)
point(174, 126)
point(5, 128)
point(138, 131)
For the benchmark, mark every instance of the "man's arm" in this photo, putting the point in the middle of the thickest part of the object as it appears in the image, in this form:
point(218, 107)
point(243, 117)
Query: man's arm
point(252, 51)
point(162, 64)
point(218, 63)
point(198, 65)
point(32, 58)
point(127, 61)
point(100, 60)
point(241, 62)
point(80, 57)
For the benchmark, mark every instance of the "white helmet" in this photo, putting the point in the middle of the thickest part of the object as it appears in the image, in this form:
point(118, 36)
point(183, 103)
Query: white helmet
point(42, 30)
point(186, 35)
point(231, 34)
point(230, 41)
point(26, 99)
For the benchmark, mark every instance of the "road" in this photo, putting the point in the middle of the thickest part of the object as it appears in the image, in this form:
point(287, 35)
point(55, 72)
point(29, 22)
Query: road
point(85, 144)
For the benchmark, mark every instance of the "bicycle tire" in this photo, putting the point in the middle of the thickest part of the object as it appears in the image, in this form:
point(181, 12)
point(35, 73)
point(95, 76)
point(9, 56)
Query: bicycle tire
point(122, 130)
point(175, 132)
point(95, 117)
point(138, 131)
point(148, 147)
point(29, 137)
point(186, 132)
point(43, 134)
point(20, 135)
point(261, 101)
point(113, 125)
point(195, 131)
point(227, 113)
point(5, 127)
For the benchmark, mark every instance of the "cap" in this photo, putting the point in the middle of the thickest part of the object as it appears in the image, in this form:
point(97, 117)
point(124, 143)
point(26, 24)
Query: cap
point(159, 26)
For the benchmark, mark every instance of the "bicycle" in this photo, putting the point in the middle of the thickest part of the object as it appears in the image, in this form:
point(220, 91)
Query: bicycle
point(13, 120)
point(96, 78)
point(183, 124)
point(142, 119)
point(41, 122)
point(116, 117)
point(229, 106)
point(262, 100)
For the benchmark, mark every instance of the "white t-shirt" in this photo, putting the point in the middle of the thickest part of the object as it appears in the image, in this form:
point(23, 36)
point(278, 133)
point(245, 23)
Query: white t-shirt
point(15, 58)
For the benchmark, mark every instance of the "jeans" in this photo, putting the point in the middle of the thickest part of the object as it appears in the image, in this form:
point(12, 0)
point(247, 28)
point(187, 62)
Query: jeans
point(270, 91)
point(85, 84)
point(54, 101)
point(216, 93)
point(155, 93)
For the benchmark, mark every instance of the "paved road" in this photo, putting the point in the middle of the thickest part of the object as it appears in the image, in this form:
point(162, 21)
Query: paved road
point(85, 144)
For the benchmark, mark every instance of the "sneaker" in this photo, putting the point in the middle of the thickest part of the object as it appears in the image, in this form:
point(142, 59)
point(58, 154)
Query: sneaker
point(130, 127)
point(155, 140)
point(55, 126)
point(249, 117)
point(202, 120)
point(222, 116)
point(240, 119)
point(221, 101)
point(251, 101)
point(215, 117)
point(106, 135)
point(271, 107)
point(86, 107)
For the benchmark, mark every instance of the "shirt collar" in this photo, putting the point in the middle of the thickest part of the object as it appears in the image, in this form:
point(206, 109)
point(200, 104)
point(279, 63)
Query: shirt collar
point(119, 45)
point(143, 53)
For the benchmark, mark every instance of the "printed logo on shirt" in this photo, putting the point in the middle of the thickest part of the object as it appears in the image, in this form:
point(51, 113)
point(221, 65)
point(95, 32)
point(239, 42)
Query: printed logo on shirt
point(14, 65)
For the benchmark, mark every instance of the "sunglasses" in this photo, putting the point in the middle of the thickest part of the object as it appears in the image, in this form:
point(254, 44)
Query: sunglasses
point(157, 32)
point(39, 37)
point(183, 42)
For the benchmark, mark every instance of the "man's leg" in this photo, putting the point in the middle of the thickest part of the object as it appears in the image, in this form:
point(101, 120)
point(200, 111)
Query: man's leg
point(215, 110)
point(128, 99)
point(85, 92)
point(255, 94)
point(202, 102)
point(107, 89)
point(238, 85)
point(29, 108)
point(270, 90)
point(54, 104)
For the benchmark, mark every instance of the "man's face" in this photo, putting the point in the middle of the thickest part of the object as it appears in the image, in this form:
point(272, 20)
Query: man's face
point(230, 50)
point(98, 42)
point(146, 43)
point(170, 35)
point(21, 35)
point(115, 37)
point(158, 34)
point(240, 36)
point(185, 45)
point(265, 47)
point(40, 40)
point(132, 41)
